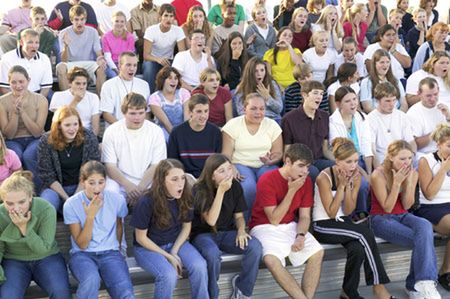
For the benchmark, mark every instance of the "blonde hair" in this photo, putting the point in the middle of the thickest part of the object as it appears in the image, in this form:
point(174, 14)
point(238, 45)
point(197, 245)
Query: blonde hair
point(121, 14)
point(204, 75)
point(343, 148)
point(322, 21)
point(417, 11)
point(316, 35)
point(393, 149)
point(296, 12)
point(350, 16)
point(21, 180)
point(441, 133)
point(302, 71)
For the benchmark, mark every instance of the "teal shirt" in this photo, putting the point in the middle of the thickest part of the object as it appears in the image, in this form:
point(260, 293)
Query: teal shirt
point(215, 15)
point(39, 241)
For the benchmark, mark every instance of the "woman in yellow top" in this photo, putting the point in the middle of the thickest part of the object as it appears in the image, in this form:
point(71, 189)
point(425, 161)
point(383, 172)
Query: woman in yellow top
point(283, 57)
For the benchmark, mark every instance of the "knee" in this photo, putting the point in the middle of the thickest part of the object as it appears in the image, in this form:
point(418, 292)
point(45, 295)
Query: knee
point(89, 283)
point(199, 267)
point(424, 227)
point(356, 251)
point(168, 279)
point(272, 262)
point(254, 249)
point(211, 254)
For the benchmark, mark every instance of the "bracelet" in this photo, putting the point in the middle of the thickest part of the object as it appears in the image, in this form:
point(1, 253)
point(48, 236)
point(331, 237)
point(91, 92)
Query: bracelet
point(299, 234)
point(393, 51)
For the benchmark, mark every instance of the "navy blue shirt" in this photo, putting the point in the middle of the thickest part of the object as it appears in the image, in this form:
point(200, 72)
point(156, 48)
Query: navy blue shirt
point(143, 219)
point(65, 7)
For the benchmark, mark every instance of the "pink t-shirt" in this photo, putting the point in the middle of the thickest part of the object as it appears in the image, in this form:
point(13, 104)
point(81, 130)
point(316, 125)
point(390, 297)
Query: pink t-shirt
point(11, 164)
point(182, 95)
point(18, 19)
point(117, 45)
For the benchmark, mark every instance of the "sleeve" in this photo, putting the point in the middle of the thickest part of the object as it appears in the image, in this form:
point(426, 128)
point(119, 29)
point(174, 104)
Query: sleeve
point(91, 17)
point(2, 250)
point(402, 89)
point(240, 14)
point(60, 40)
point(212, 15)
point(180, 34)
point(268, 56)
point(185, 95)
point(417, 130)
point(347, 29)
point(6, 21)
point(70, 217)
point(55, 23)
point(91, 145)
point(142, 214)
point(226, 95)
point(47, 80)
point(365, 93)
point(334, 131)
point(249, 32)
point(149, 34)
point(307, 56)
point(154, 99)
point(286, 131)
point(412, 85)
point(368, 53)
point(135, 24)
point(130, 43)
point(265, 192)
point(275, 104)
point(218, 141)
point(14, 161)
point(401, 50)
point(420, 57)
point(122, 210)
point(108, 152)
point(159, 151)
point(4, 69)
point(407, 130)
point(307, 199)
point(95, 104)
point(230, 128)
point(238, 101)
point(107, 102)
point(275, 130)
point(365, 139)
point(179, 62)
point(96, 37)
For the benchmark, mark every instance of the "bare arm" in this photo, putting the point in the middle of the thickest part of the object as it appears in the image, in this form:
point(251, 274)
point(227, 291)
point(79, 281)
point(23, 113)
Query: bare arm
point(95, 123)
point(82, 236)
point(162, 117)
point(423, 141)
point(57, 187)
point(411, 99)
point(36, 128)
point(147, 177)
point(228, 110)
point(404, 60)
point(109, 117)
point(182, 237)
point(227, 145)
point(9, 123)
point(429, 184)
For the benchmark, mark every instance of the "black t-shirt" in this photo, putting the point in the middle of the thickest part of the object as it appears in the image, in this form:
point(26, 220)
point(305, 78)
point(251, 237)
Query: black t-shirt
point(142, 219)
point(233, 202)
point(70, 159)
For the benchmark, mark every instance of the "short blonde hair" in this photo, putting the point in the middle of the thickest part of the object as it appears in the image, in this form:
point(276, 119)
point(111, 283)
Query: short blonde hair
point(21, 180)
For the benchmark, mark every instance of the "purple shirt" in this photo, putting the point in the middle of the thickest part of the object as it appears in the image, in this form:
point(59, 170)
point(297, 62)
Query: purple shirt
point(18, 19)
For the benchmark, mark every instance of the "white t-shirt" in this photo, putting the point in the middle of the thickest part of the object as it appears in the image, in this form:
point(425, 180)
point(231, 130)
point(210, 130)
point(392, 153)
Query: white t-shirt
point(262, 31)
point(333, 87)
point(443, 195)
point(423, 121)
point(412, 85)
point(87, 107)
point(319, 64)
point(397, 68)
point(359, 59)
point(133, 151)
point(189, 68)
point(114, 91)
point(104, 15)
point(386, 128)
point(163, 43)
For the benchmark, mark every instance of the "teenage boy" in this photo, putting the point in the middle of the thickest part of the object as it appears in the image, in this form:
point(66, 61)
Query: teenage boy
point(388, 123)
point(115, 89)
point(310, 125)
point(131, 149)
point(77, 43)
point(282, 196)
point(47, 37)
point(60, 16)
point(192, 62)
point(195, 140)
point(159, 44)
point(228, 26)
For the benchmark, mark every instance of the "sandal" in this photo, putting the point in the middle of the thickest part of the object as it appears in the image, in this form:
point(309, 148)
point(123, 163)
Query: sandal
point(444, 280)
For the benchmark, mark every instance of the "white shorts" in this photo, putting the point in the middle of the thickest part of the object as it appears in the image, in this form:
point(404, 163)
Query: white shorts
point(278, 239)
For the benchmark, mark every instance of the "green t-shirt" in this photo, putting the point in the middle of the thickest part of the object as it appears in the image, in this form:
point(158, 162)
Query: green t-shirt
point(215, 15)
point(373, 27)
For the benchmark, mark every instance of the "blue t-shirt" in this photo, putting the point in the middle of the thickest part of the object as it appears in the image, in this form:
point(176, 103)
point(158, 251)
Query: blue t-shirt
point(143, 219)
point(104, 232)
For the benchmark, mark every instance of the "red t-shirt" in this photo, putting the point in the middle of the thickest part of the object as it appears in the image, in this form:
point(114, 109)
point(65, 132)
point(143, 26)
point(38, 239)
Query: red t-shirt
point(376, 208)
point(182, 8)
point(300, 40)
point(271, 190)
point(217, 105)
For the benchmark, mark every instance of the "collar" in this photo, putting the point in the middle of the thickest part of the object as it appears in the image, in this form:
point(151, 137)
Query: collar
point(317, 115)
point(21, 56)
point(155, 8)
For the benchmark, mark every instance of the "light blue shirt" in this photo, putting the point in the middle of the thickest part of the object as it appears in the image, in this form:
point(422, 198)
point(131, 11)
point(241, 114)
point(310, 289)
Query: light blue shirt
point(104, 236)
point(365, 93)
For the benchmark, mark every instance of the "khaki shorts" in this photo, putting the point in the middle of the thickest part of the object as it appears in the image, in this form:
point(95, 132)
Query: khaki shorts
point(89, 66)
point(278, 239)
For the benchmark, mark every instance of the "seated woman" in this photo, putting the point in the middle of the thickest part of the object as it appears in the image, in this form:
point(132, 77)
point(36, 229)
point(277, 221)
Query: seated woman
point(220, 104)
point(437, 67)
point(231, 60)
point(9, 161)
point(393, 188)
point(168, 102)
point(22, 118)
point(95, 219)
point(407, 19)
point(329, 22)
point(301, 33)
point(196, 19)
point(29, 250)
point(162, 222)
point(347, 75)
point(254, 145)
point(314, 8)
point(380, 70)
point(257, 78)
point(115, 42)
point(355, 25)
point(335, 198)
point(282, 58)
point(434, 193)
point(215, 14)
point(61, 153)
point(320, 57)
point(260, 36)
point(219, 226)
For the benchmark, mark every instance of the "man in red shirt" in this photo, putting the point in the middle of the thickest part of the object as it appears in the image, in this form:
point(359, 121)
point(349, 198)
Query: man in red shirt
point(182, 8)
point(282, 195)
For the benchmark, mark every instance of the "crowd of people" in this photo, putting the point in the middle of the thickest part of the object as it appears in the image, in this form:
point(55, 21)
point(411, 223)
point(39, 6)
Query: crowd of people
point(264, 133)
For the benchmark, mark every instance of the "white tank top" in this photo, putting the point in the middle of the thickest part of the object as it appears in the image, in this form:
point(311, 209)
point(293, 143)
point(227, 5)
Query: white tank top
point(443, 195)
point(319, 212)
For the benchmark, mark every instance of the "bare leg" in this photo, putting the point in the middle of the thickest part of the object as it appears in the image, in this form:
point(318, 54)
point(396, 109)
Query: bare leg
point(101, 78)
point(311, 275)
point(443, 227)
point(61, 73)
point(283, 277)
point(380, 291)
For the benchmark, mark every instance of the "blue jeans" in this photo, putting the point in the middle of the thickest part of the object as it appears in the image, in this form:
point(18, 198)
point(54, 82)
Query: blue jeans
point(53, 197)
point(49, 273)
point(165, 274)
point(89, 268)
point(149, 71)
point(211, 246)
point(26, 150)
point(412, 232)
point(317, 166)
point(362, 203)
point(110, 73)
point(251, 177)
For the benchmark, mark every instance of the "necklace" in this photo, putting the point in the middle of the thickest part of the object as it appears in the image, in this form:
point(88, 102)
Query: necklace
point(125, 86)
point(388, 129)
point(69, 151)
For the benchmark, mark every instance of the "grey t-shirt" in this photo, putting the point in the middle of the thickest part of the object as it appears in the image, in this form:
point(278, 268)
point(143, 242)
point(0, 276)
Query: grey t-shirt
point(81, 46)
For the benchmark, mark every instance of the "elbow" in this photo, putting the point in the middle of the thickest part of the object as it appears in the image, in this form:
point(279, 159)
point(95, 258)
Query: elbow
point(82, 245)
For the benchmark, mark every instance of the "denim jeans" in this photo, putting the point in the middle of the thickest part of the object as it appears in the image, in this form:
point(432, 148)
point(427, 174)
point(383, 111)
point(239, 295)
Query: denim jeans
point(251, 177)
point(412, 232)
point(317, 166)
point(110, 73)
point(49, 273)
point(149, 71)
point(211, 247)
point(89, 268)
point(165, 274)
point(52, 197)
point(26, 150)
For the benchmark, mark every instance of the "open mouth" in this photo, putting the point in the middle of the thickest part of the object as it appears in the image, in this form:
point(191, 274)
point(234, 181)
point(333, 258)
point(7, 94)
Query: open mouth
point(96, 194)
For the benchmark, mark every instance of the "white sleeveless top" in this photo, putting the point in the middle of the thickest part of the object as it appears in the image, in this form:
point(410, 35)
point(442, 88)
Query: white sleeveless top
point(443, 195)
point(319, 212)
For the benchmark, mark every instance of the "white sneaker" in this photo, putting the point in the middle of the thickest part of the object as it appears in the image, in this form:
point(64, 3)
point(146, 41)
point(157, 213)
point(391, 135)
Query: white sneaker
point(237, 294)
point(413, 294)
point(427, 289)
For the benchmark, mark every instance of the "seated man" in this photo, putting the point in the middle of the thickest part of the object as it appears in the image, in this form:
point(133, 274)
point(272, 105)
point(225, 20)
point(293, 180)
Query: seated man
point(86, 102)
point(77, 43)
point(192, 62)
point(196, 139)
point(13, 21)
point(282, 195)
point(36, 63)
point(115, 89)
point(131, 149)
point(386, 123)
point(60, 16)
point(425, 115)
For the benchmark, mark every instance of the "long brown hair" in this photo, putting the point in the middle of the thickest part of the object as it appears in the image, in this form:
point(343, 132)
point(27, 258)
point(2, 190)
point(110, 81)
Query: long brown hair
point(373, 75)
point(56, 137)
point(276, 48)
point(225, 54)
point(189, 25)
point(393, 149)
point(158, 192)
point(248, 82)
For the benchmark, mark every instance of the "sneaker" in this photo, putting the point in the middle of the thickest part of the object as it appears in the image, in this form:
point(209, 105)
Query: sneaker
point(427, 288)
point(237, 294)
point(413, 294)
